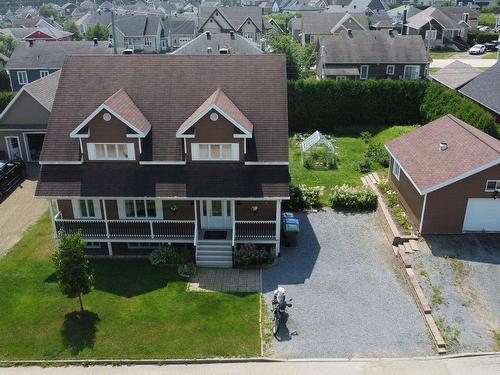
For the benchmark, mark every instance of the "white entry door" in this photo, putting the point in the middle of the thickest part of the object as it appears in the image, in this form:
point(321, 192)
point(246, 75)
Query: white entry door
point(216, 214)
point(482, 214)
point(13, 148)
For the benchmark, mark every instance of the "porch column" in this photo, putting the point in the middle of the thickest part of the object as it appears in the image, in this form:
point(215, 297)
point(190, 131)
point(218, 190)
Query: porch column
point(105, 217)
point(110, 249)
point(195, 240)
point(278, 226)
point(51, 210)
point(233, 216)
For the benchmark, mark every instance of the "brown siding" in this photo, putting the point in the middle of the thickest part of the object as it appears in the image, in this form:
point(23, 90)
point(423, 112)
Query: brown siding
point(26, 111)
point(111, 210)
point(113, 131)
point(220, 131)
point(267, 210)
point(410, 198)
point(185, 210)
point(66, 209)
point(445, 208)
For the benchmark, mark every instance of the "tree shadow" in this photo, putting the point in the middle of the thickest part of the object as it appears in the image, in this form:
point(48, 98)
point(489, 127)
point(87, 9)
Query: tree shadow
point(79, 330)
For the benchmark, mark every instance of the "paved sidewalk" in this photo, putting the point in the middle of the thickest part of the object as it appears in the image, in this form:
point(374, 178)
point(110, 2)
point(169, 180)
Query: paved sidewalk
point(225, 280)
point(477, 63)
point(483, 365)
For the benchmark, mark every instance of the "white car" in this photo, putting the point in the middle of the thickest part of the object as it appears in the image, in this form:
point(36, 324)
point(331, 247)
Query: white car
point(477, 49)
point(484, 28)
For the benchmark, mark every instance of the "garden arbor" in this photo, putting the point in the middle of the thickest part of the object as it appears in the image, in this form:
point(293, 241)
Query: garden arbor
point(318, 152)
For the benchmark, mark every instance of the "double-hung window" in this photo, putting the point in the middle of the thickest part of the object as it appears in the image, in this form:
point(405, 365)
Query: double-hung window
point(364, 72)
point(430, 34)
point(22, 77)
point(140, 209)
point(215, 151)
point(396, 169)
point(44, 73)
point(86, 209)
point(390, 70)
point(249, 35)
point(111, 151)
point(492, 185)
point(148, 41)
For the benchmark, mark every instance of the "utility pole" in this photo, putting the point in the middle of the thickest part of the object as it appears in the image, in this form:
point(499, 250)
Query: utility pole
point(114, 30)
point(169, 38)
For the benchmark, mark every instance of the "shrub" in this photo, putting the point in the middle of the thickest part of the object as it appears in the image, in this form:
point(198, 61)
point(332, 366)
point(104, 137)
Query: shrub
point(5, 98)
point(479, 37)
point(164, 255)
point(365, 165)
point(4, 80)
point(392, 199)
point(187, 270)
point(377, 154)
point(319, 157)
point(366, 136)
point(302, 197)
point(351, 197)
point(249, 254)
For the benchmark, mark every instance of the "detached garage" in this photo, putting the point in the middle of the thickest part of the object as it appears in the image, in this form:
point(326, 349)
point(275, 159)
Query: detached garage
point(447, 175)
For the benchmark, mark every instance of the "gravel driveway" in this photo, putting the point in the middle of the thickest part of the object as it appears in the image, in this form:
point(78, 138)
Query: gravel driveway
point(460, 276)
point(19, 210)
point(349, 299)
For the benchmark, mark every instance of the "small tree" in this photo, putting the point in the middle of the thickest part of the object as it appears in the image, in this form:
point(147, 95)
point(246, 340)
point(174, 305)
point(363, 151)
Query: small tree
point(7, 44)
point(71, 27)
point(47, 10)
point(74, 274)
point(97, 31)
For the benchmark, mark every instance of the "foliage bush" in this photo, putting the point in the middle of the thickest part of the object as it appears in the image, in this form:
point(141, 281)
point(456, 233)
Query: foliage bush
point(249, 254)
point(319, 158)
point(479, 37)
point(351, 197)
point(5, 98)
point(439, 101)
point(187, 270)
point(164, 255)
point(397, 210)
point(303, 197)
point(487, 19)
point(366, 136)
point(378, 154)
point(4, 81)
point(365, 165)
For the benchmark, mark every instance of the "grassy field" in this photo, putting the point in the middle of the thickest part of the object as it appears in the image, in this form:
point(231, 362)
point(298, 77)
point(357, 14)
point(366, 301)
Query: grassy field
point(135, 311)
point(435, 70)
point(442, 54)
point(491, 55)
point(350, 152)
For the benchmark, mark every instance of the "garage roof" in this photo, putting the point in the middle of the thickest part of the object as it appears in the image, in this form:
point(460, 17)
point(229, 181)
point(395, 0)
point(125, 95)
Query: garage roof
point(442, 152)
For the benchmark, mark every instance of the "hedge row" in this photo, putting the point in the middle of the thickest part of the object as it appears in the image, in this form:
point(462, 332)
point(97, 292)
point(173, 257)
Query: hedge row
point(327, 104)
point(478, 37)
point(5, 98)
point(330, 106)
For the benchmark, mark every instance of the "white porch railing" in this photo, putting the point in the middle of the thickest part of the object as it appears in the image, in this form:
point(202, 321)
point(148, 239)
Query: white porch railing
point(263, 229)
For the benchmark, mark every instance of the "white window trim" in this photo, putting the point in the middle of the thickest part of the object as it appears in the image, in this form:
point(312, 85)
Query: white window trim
point(340, 78)
point(75, 203)
point(122, 213)
point(432, 33)
point(409, 67)
point(396, 169)
point(361, 71)
point(44, 73)
point(393, 70)
point(497, 186)
point(195, 152)
point(7, 144)
point(148, 41)
point(92, 245)
point(22, 73)
point(93, 156)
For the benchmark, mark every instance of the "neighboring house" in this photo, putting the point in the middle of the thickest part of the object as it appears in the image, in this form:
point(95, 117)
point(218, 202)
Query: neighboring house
point(68, 9)
point(179, 31)
point(246, 21)
point(447, 175)
point(449, 26)
point(29, 63)
point(90, 19)
point(367, 6)
point(221, 43)
point(456, 74)
point(43, 34)
point(484, 90)
point(302, 7)
point(311, 26)
point(141, 33)
point(24, 121)
point(400, 15)
point(380, 20)
point(361, 54)
point(36, 21)
point(169, 149)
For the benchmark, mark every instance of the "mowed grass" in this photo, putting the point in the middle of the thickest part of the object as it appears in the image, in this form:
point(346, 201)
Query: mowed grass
point(135, 311)
point(490, 55)
point(442, 54)
point(350, 152)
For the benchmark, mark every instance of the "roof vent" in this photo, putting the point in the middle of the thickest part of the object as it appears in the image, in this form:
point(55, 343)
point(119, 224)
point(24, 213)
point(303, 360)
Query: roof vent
point(443, 146)
point(207, 33)
point(231, 33)
point(209, 50)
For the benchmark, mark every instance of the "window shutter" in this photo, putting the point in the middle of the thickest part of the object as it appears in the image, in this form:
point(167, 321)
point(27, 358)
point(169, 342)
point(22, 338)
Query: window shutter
point(195, 152)
point(235, 151)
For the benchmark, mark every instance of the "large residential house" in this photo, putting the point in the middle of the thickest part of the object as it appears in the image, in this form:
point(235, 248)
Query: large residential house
point(360, 54)
point(168, 149)
point(311, 26)
point(443, 26)
point(221, 43)
point(42, 34)
point(246, 21)
point(366, 6)
point(30, 62)
point(91, 18)
point(140, 33)
point(23, 122)
point(179, 31)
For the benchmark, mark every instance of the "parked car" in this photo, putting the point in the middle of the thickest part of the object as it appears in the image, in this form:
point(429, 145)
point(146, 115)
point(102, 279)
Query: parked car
point(11, 173)
point(484, 28)
point(477, 49)
point(492, 46)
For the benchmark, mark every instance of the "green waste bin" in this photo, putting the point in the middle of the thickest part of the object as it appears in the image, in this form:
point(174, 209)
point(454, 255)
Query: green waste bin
point(291, 228)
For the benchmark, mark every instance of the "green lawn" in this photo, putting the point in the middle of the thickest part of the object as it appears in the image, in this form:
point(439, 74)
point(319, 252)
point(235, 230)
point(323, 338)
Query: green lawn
point(135, 311)
point(442, 54)
point(491, 55)
point(350, 151)
point(435, 70)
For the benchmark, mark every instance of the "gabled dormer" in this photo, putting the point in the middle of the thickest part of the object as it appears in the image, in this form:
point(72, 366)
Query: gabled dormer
point(217, 131)
point(114, 131)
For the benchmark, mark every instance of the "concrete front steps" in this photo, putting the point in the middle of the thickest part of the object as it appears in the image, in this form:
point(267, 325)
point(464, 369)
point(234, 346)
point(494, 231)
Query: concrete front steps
point(214, 253)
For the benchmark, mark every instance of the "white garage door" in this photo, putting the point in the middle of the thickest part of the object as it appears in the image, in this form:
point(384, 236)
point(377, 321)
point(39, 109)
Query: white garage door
point(482, 214)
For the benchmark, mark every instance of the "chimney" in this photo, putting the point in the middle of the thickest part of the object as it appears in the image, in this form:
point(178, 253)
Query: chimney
point(207, 33)
point(30, 42)
point(405, 16)
point(209, 50)
point(96, 43)
point(349, 32)
point(231, 33)
point(443, 146)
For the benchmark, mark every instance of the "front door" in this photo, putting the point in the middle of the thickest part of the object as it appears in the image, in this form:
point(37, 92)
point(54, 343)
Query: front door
point(216, 214)
point(13, 148)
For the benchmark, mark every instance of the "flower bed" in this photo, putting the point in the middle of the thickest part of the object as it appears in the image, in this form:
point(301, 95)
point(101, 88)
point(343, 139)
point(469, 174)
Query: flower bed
point(392, 201)
point(249, 254)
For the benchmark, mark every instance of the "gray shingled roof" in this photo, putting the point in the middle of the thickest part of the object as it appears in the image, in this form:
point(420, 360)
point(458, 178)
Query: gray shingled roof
point(238, 45)
point(448, 17)
point(456, 74)
point(485, 88)
point(23, 32)
point(180, 26)
point(373, 47)
point(138, 25)
point(322, 23)
point(234, 15)
point(51, 55)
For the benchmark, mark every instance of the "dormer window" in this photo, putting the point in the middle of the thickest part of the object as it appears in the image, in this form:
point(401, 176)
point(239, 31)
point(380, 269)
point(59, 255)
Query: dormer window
point(111, 151)
point(215, 151)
